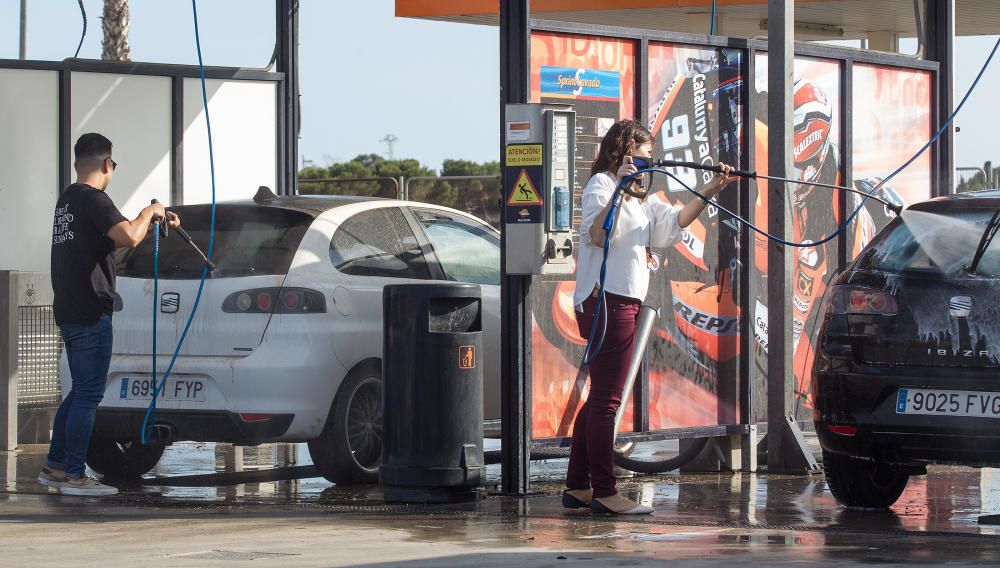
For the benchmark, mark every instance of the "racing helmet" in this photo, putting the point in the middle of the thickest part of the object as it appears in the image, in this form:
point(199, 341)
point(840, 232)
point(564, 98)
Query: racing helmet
point(812, 122)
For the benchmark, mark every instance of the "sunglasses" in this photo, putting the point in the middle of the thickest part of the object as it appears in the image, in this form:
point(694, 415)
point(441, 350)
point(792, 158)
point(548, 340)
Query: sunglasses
point(114, 164)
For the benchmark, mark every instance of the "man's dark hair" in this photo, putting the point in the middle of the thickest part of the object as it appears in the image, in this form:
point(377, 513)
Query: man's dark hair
point(92, 146)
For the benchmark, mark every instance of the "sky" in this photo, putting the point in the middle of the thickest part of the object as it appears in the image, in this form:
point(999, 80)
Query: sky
point(366, 74)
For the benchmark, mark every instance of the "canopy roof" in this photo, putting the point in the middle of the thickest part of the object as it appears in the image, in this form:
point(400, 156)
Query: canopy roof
point(815, 19)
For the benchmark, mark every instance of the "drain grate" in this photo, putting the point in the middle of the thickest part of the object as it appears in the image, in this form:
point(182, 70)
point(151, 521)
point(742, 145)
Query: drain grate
point(230, 555)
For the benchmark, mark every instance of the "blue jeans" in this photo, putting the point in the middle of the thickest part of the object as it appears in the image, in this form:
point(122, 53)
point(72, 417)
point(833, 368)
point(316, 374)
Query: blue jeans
point(88, 349)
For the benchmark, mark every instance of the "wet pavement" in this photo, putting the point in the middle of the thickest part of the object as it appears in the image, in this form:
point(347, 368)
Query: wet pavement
point(207, 504)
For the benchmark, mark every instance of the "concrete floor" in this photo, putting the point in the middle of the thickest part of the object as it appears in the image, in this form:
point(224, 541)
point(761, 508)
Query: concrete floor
point(203, 512)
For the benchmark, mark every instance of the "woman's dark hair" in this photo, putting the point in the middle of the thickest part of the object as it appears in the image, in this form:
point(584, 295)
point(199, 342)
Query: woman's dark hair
point(623, 137)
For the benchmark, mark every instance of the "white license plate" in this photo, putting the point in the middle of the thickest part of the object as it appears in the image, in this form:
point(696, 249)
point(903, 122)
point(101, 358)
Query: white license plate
point(180, 388)
point(948, 402)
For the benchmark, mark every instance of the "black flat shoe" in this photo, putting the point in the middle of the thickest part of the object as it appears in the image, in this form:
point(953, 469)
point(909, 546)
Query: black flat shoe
point(571, 502)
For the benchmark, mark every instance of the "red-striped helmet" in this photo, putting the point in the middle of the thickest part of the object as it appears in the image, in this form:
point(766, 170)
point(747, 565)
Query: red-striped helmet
point(812, 122)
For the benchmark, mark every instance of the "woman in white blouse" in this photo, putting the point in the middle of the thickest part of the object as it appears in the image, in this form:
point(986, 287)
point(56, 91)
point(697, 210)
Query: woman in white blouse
point(641, 224)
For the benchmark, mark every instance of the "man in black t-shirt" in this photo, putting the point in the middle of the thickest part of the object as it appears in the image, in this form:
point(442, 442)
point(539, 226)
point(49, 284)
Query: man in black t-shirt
point(86, 229)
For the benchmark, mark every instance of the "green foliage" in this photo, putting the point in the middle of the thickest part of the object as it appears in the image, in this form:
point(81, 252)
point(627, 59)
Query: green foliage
point(479, 197)
point(986, 177)
point(467, 168)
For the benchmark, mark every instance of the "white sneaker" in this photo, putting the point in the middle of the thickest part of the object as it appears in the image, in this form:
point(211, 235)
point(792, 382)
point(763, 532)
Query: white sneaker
point(53, 478)
point(87, 487)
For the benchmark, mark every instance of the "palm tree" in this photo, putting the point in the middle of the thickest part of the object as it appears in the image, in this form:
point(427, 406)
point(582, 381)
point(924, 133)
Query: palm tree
point(115, 23)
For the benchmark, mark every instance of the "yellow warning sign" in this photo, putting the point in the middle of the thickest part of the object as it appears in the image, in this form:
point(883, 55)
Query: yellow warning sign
point(524, 155)
point(524, 192)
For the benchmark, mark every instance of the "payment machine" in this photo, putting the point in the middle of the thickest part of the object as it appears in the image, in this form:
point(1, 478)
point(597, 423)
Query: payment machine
point(538, 182)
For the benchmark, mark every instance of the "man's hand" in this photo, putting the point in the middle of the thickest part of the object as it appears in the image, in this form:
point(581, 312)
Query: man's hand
point(156, 211)
point(173, 221)
point(128, 234)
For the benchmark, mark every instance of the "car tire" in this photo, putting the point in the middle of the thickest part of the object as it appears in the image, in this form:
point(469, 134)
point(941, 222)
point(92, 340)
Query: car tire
point(862, 483)
point(349, 450)
point(122, 459)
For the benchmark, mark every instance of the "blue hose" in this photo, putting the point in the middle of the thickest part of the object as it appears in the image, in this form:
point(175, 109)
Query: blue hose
point(592, 349)
point(150, 419)
point(156, 293)
point(711, 29)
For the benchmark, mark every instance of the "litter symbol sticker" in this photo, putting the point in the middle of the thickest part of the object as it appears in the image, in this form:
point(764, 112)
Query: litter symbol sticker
point(524, 192)
point(467, 357)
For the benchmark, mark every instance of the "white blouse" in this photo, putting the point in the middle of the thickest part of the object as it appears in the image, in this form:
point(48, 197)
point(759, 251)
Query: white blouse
point(640, 224)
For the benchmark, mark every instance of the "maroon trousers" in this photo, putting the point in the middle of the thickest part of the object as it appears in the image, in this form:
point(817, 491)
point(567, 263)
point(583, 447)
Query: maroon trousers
point(591, 456)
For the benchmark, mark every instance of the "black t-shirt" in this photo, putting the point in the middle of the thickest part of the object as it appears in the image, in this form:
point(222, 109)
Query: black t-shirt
point(83, 266)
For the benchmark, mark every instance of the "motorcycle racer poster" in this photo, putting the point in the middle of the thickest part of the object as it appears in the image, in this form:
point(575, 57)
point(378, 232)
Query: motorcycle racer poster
point(695, 114)
point(597, 76)
point(816, 157)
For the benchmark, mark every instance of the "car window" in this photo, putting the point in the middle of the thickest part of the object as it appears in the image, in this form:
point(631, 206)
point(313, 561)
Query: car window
point(933, 243)
point(250, 240)
point(467, 251)
point(378, 242)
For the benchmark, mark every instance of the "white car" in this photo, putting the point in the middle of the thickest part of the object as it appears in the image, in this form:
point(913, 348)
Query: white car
point(286, 345)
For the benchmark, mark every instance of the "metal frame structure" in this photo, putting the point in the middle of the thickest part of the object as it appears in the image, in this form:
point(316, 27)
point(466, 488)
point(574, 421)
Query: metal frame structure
point(177, 74)
point(516, 27)
point(515, 33)
point(285, 75)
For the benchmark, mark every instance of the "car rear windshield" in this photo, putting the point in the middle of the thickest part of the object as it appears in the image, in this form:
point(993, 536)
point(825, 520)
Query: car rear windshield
point(250, 240)
point(940, 243)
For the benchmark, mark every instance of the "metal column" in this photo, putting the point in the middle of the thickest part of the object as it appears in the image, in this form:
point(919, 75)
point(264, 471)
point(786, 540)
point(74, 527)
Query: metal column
point(287, 58)
point(515, 330)
point(8, 361)
point(939, 31)
point(786, 451)
point(22, 52)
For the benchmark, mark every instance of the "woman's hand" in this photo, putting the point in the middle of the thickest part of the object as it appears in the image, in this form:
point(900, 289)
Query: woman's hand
point(694, 207)
point(627, 168)
point(720, 181)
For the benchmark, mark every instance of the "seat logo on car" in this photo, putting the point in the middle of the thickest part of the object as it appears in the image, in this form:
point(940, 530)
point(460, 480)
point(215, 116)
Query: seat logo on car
point(170, 302)
point(960, 306)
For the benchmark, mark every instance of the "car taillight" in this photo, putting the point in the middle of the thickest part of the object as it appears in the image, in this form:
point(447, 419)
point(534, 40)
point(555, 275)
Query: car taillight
point(265, 301)
point(855, 300)
point(275, 300)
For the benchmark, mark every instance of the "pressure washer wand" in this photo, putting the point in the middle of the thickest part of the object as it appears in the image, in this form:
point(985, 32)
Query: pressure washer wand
point(161, 224)
point(897, 209)
point(184, 235)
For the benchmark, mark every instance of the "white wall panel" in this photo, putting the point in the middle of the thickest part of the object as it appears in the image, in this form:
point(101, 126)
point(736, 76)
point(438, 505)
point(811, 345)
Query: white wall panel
point(29, 167)
point(134, 112)
point(244, 139)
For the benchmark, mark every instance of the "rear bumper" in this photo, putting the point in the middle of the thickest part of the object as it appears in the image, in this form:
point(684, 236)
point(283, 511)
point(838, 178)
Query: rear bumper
point(867, 401)
point(203, 425)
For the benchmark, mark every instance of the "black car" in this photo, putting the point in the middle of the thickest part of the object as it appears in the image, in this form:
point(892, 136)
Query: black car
point(907, 371)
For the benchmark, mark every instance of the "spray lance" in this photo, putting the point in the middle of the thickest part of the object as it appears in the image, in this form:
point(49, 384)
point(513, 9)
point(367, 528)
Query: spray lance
point(165, 232)
point(642, 164)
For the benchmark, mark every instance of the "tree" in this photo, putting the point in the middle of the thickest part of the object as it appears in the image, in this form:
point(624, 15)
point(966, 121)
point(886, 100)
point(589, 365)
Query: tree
point(477, 196)
point(115, 23)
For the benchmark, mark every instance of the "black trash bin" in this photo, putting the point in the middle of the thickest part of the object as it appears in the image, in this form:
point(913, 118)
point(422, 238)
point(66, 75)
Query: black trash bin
point(432, 381)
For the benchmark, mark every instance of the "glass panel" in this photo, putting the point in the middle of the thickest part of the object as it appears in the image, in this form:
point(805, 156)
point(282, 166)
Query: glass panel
point(467, 252)
point(378, 243)
point(250, 240)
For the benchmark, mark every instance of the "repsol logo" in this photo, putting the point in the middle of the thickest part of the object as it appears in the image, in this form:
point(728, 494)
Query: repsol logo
point(709, 323)
point(693, 244)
